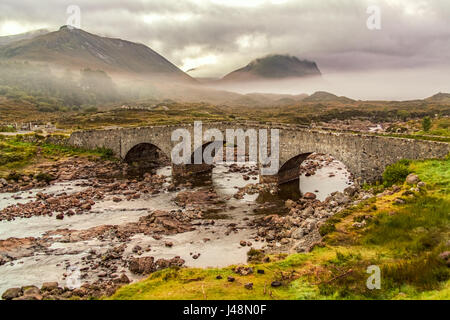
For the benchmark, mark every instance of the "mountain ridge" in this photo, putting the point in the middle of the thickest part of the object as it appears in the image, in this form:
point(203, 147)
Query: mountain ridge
point(4, 40)
point(71, 47)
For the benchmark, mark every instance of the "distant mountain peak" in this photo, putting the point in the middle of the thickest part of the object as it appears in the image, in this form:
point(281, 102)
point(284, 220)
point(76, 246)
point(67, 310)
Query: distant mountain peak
point(72, 47)
point(275, 66)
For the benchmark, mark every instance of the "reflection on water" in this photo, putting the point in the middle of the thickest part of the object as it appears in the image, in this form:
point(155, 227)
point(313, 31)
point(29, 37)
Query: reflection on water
point(331, 178)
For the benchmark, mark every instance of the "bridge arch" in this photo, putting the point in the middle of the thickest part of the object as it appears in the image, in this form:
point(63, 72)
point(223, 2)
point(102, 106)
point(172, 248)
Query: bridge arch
point(146, 156)
point(290, 170)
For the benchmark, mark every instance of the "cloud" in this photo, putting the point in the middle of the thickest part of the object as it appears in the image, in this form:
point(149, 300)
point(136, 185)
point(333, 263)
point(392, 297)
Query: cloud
point(221, 35)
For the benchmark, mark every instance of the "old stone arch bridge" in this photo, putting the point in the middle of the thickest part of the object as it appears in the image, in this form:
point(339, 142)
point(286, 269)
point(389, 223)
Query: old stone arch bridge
point(365, 156)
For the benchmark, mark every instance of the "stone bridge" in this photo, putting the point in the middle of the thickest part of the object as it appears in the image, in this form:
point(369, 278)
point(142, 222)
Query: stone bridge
point(364, 155)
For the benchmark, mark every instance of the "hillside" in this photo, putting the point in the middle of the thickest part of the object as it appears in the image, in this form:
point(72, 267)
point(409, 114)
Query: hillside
point(274, 67)
point(440, 97)
point(76, 48)
point(322, 96)
point(22, 36)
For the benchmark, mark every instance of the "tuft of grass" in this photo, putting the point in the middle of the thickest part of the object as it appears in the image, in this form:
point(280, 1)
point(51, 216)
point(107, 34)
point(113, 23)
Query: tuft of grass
point(425, 273)
point(396, 173)
point(420, 225)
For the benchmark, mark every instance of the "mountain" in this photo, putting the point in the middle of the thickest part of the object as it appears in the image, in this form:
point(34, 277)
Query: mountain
point(322, 96)
point(439, 97)
point(71, 47)
point(274, 67)
point(22, 36)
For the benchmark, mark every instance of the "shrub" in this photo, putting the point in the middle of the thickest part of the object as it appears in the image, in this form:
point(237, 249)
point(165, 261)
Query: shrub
point(396, 173)
point(44, 177)
point(255, 256)
point(14, 176)
point(327, 228)
point(7, 129)
point(426, 124)
point(91, 109)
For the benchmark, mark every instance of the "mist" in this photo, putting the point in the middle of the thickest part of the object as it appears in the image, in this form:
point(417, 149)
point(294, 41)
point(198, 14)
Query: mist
point(398, 84)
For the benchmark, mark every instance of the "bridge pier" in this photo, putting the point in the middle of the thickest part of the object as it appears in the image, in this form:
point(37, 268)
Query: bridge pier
point(190, 170)
point(268, 179)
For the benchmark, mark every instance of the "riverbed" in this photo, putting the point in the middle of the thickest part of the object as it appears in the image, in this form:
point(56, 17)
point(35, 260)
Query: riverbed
point(209, 245)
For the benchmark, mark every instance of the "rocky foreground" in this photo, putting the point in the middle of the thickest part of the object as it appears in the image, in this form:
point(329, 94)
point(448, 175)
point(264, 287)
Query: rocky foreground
point(292, 228)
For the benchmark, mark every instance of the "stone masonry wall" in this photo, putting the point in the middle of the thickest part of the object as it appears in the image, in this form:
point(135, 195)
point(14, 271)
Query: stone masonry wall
point(365, 156)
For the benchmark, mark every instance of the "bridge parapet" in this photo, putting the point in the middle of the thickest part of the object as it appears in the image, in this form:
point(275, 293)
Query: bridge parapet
point(365, 155)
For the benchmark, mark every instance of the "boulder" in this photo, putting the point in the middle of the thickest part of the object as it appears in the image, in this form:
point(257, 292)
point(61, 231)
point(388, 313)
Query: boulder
point(421, 184)
point(350, 191)
point(48, 286)
point(309, 196)
point(12, 293)
point(341, 198)
point(309, 211)
point(144, 265)
point(31, 290)
point(3, 182)
point(297, 233)
point(412, 179)
point(290, 204)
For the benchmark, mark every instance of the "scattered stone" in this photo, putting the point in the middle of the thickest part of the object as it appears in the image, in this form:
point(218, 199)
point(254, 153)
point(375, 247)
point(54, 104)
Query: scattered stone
point(230, 279)
point(136, 249)
point(249, 286)
point(276, 284)
point(243, 270)
point(361, 224)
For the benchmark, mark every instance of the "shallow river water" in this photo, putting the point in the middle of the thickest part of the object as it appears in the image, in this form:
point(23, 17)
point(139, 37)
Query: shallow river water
point(217, 251)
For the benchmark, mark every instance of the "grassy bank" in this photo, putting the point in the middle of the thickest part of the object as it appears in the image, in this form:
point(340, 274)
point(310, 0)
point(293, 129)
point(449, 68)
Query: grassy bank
point(403, 240)
point(21, 153)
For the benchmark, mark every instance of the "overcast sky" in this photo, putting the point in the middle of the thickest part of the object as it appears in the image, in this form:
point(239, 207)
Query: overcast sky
point(217, 36)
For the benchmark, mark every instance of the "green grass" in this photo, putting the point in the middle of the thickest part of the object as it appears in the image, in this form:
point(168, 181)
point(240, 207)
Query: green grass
point(19, 153)
point(419, 226)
